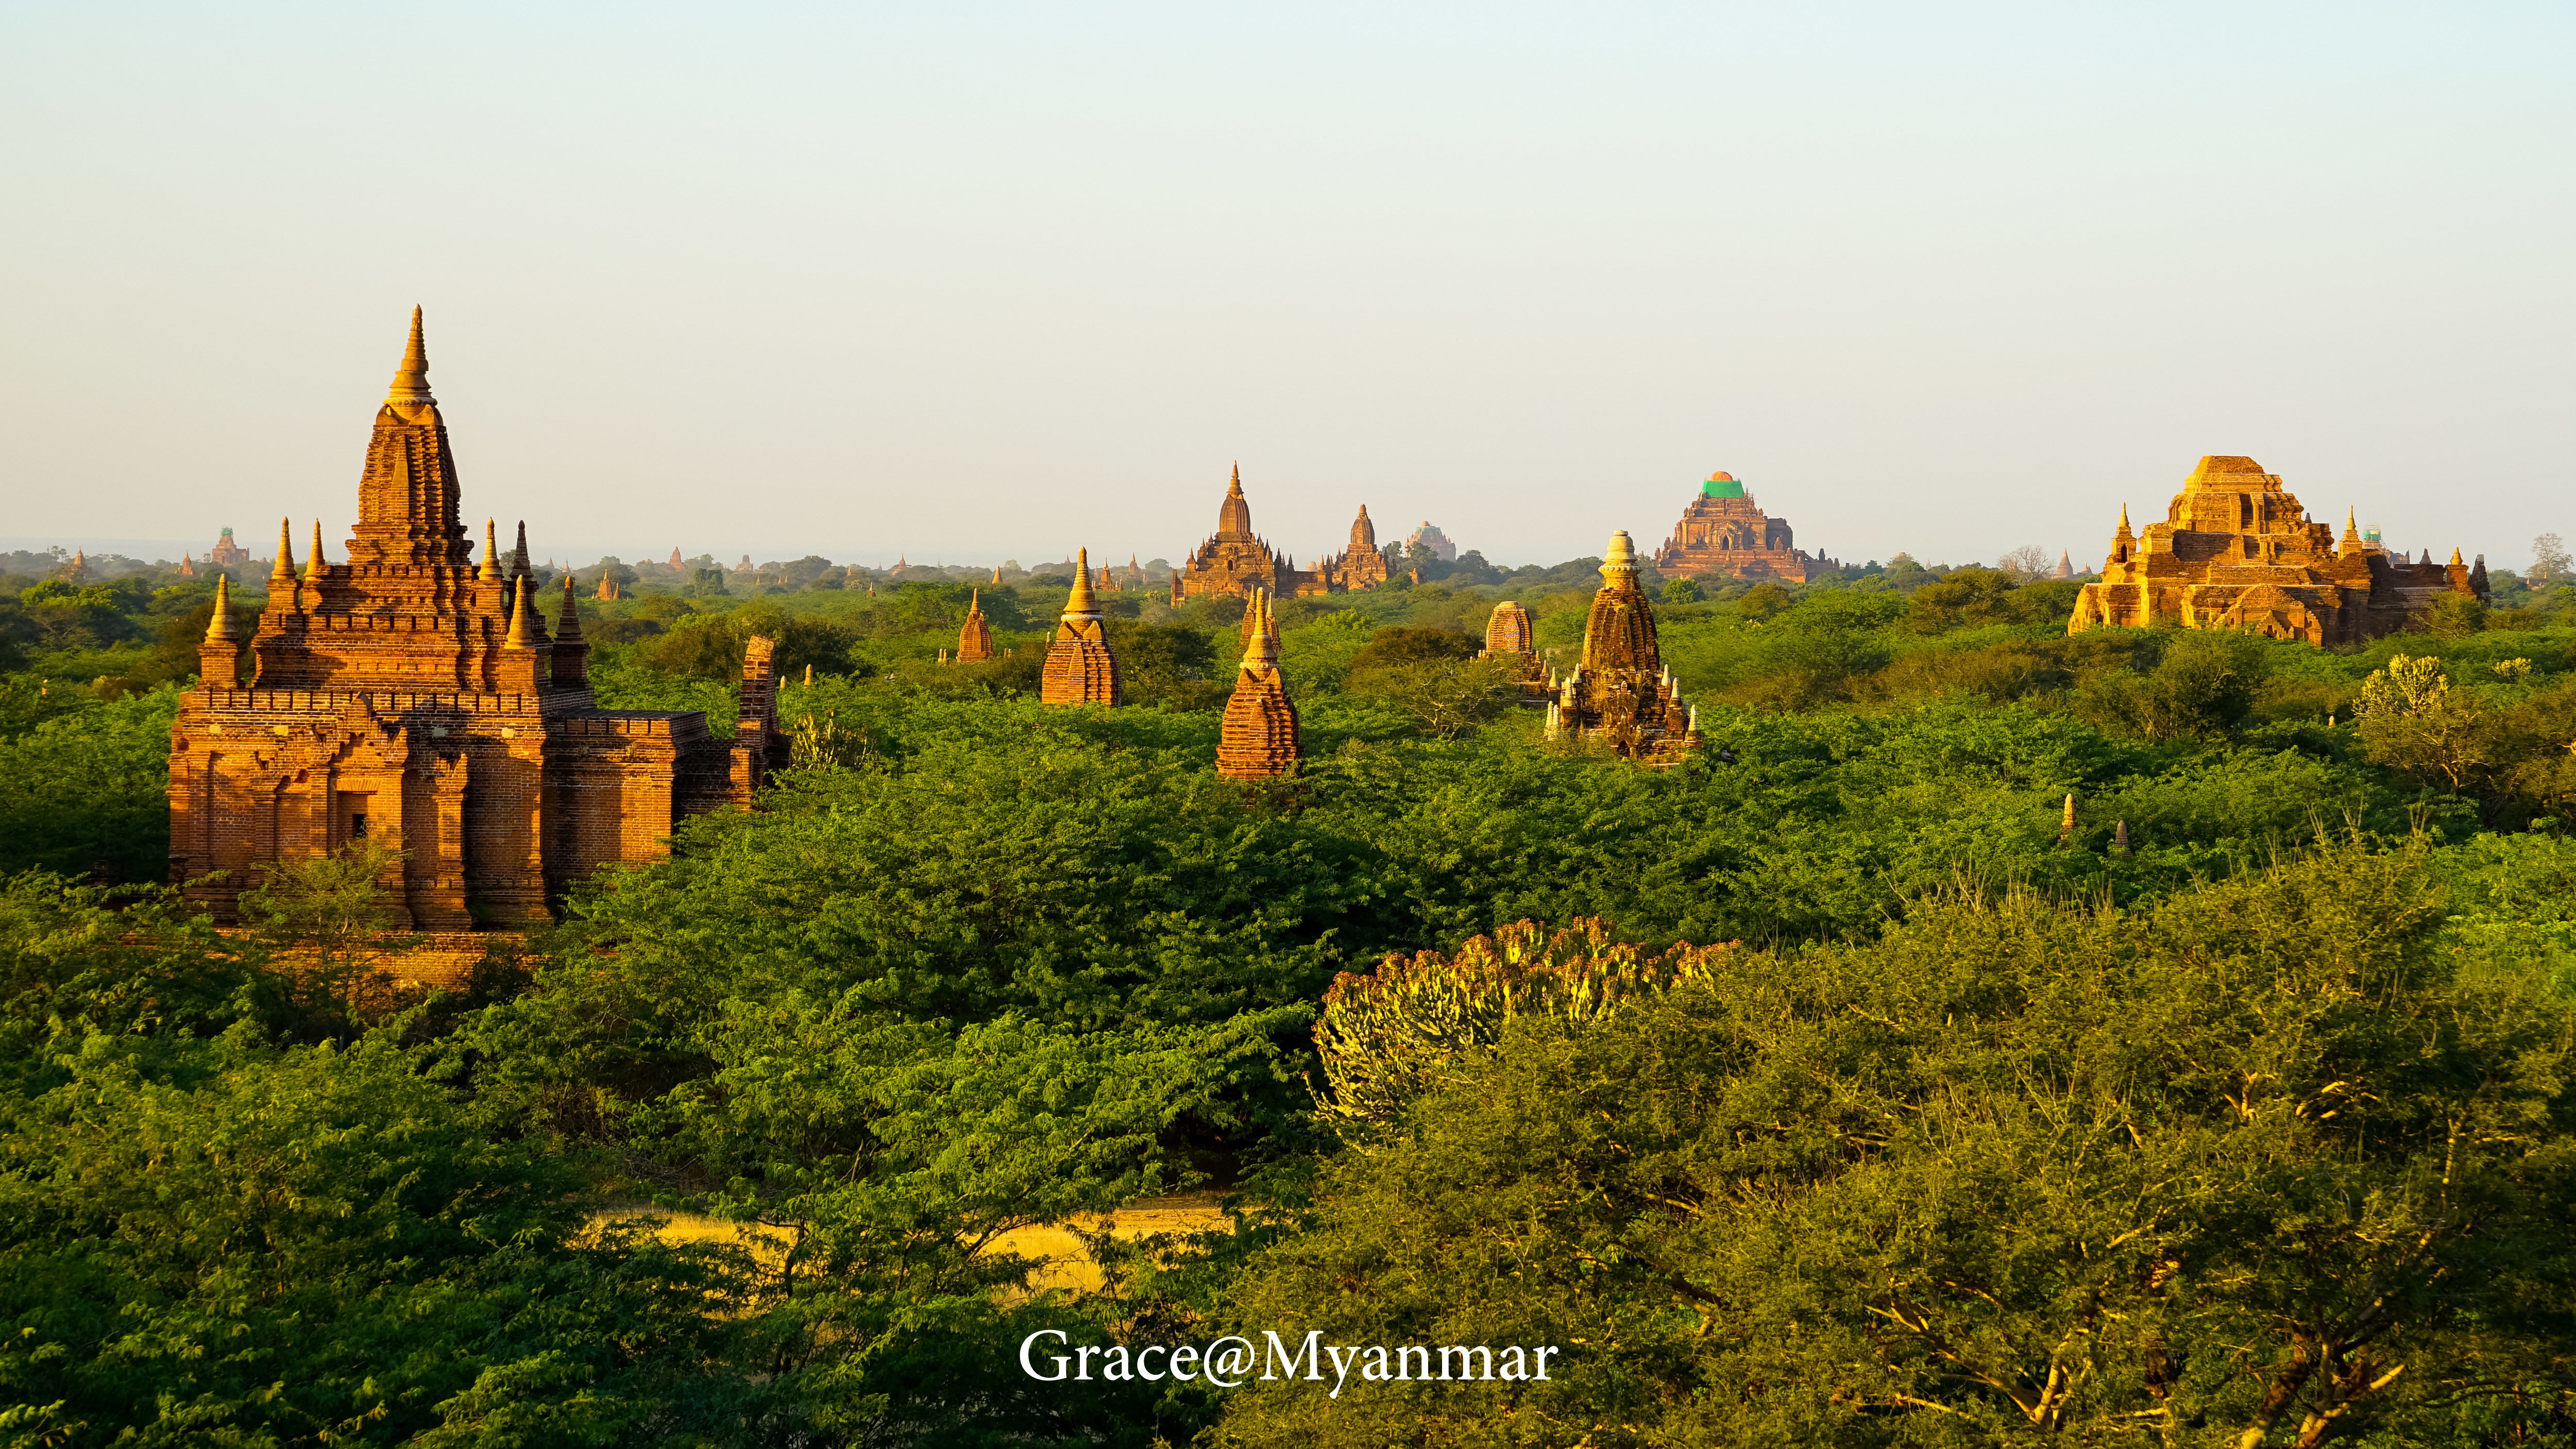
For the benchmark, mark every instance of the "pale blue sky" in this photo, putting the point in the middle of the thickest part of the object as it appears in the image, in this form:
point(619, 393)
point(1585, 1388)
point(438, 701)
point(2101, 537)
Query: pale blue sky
point(973, 281)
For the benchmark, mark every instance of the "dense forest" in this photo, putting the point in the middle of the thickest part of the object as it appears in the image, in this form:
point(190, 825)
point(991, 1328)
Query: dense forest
point(1990, 1036)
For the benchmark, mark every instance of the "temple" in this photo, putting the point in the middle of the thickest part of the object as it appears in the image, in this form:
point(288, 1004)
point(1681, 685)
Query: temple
point(1234, 560)
point(1258, 739)
point(1512, 638)
point(227, 554)
point(1724, 531)
point(407, 695)
point(1079, 667)
point(2237, 551)
point(1621, 695)
point(975, 636)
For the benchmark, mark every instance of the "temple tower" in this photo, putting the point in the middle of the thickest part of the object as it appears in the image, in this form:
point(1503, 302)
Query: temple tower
point(1258, 740)
point(408, 696)
point(975, 638)
point(1508, 630)
point(1621, 695)
point(1079, 668)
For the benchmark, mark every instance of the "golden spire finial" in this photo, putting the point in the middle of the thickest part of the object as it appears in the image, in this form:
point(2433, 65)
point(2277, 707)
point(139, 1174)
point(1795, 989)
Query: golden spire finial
point(411, 380)
point(1618, 561)
point(1234, 485)
point(313, 561)
point(523, 611)
point(220, 627)
point(975, 601)
point(491, 569)
point(1259, 652)
point(1081, 602)
point(2455, 558)
point(284, 568)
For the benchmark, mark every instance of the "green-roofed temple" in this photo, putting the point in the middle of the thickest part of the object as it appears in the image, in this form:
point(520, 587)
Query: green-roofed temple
point(1725, 532)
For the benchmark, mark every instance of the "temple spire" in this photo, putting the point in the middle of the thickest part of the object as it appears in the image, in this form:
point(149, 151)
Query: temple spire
point(411, 380)
point(519, 557)
point(284, 568)
point(491, 570)
point(525, 632)
point(1081, 601)
point(220, 627)
point(313, 565)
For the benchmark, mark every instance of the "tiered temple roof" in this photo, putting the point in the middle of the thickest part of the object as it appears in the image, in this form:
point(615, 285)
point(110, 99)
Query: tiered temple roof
point(1258, 740)
point(1080, 669)
point(2236, 550)
point(1621, 695)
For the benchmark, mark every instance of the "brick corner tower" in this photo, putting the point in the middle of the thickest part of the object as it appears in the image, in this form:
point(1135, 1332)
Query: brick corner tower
point(1079, 668)
point(410, 696)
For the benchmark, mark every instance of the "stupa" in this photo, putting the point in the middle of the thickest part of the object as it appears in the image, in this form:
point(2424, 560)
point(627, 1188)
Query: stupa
point(1725, 531)
point(1512, 637)
point(409, 696)
point(975, 637)
point(1258, 739)
point(1079, 668)
point(1621, 695)
point(2237, 551)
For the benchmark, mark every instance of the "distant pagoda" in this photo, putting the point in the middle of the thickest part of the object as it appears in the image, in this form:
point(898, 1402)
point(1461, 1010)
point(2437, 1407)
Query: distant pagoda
point(1234, 560)
point(1258, 740)
point(1621, 695)
point(1725, 531)
point(1079, 668)
point(975, 638)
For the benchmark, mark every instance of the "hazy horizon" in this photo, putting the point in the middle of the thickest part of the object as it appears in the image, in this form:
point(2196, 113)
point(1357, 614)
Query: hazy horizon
point(992, 282)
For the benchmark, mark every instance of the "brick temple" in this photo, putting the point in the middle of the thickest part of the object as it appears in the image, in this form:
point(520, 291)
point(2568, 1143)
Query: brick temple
point(1079, 668)
point(1621, 695)
point(1511, 638)
point(2236, 550)
point(1724, 531)
point(408, 695)
point(1234, 560)
point(1258, 738)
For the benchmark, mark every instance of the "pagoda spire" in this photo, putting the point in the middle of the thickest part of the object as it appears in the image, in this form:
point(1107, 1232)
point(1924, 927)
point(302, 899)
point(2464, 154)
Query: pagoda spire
point(519, 557)
point(221, 626)
point(219, 653)
point(284, 568)
point(491, 570)
point(410, 387)
point(313, 565)
point(1081, 600)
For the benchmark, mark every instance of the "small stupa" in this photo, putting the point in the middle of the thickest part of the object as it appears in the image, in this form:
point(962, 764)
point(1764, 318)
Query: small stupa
point(1258, 740)
point(1079, 667)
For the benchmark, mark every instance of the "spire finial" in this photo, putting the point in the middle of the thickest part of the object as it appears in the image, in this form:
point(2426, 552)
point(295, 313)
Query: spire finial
point(1081, 601)
point(1258, 651)
point(491, 570)
point(411, 380)
point(284, 568)
point(568, 621)
point(220, 627)
point(974, 601)
point(519, 556)
point(313, 561)
point(523, 616)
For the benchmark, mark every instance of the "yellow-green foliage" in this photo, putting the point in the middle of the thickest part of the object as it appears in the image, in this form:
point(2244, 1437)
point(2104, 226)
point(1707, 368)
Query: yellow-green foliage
point(1386, 1037)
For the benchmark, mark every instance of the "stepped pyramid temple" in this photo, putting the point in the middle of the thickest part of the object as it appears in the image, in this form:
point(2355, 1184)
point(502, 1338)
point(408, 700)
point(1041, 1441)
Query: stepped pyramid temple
point(975, 637)
point(1621, 694)
point(1258, 740)
point(1235, 560)
point(1512, 637)
point(2237, 551)
point(227, 554)
point(1079, 668)
point(409, 696)
point(1725, 531)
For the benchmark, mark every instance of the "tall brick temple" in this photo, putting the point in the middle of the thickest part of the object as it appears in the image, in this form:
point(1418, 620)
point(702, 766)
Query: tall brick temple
point(1258, 738)
point(2236, 550)
point(1079, 667)
point(1621, 695)
point(411, 696)
point(1725, 531)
